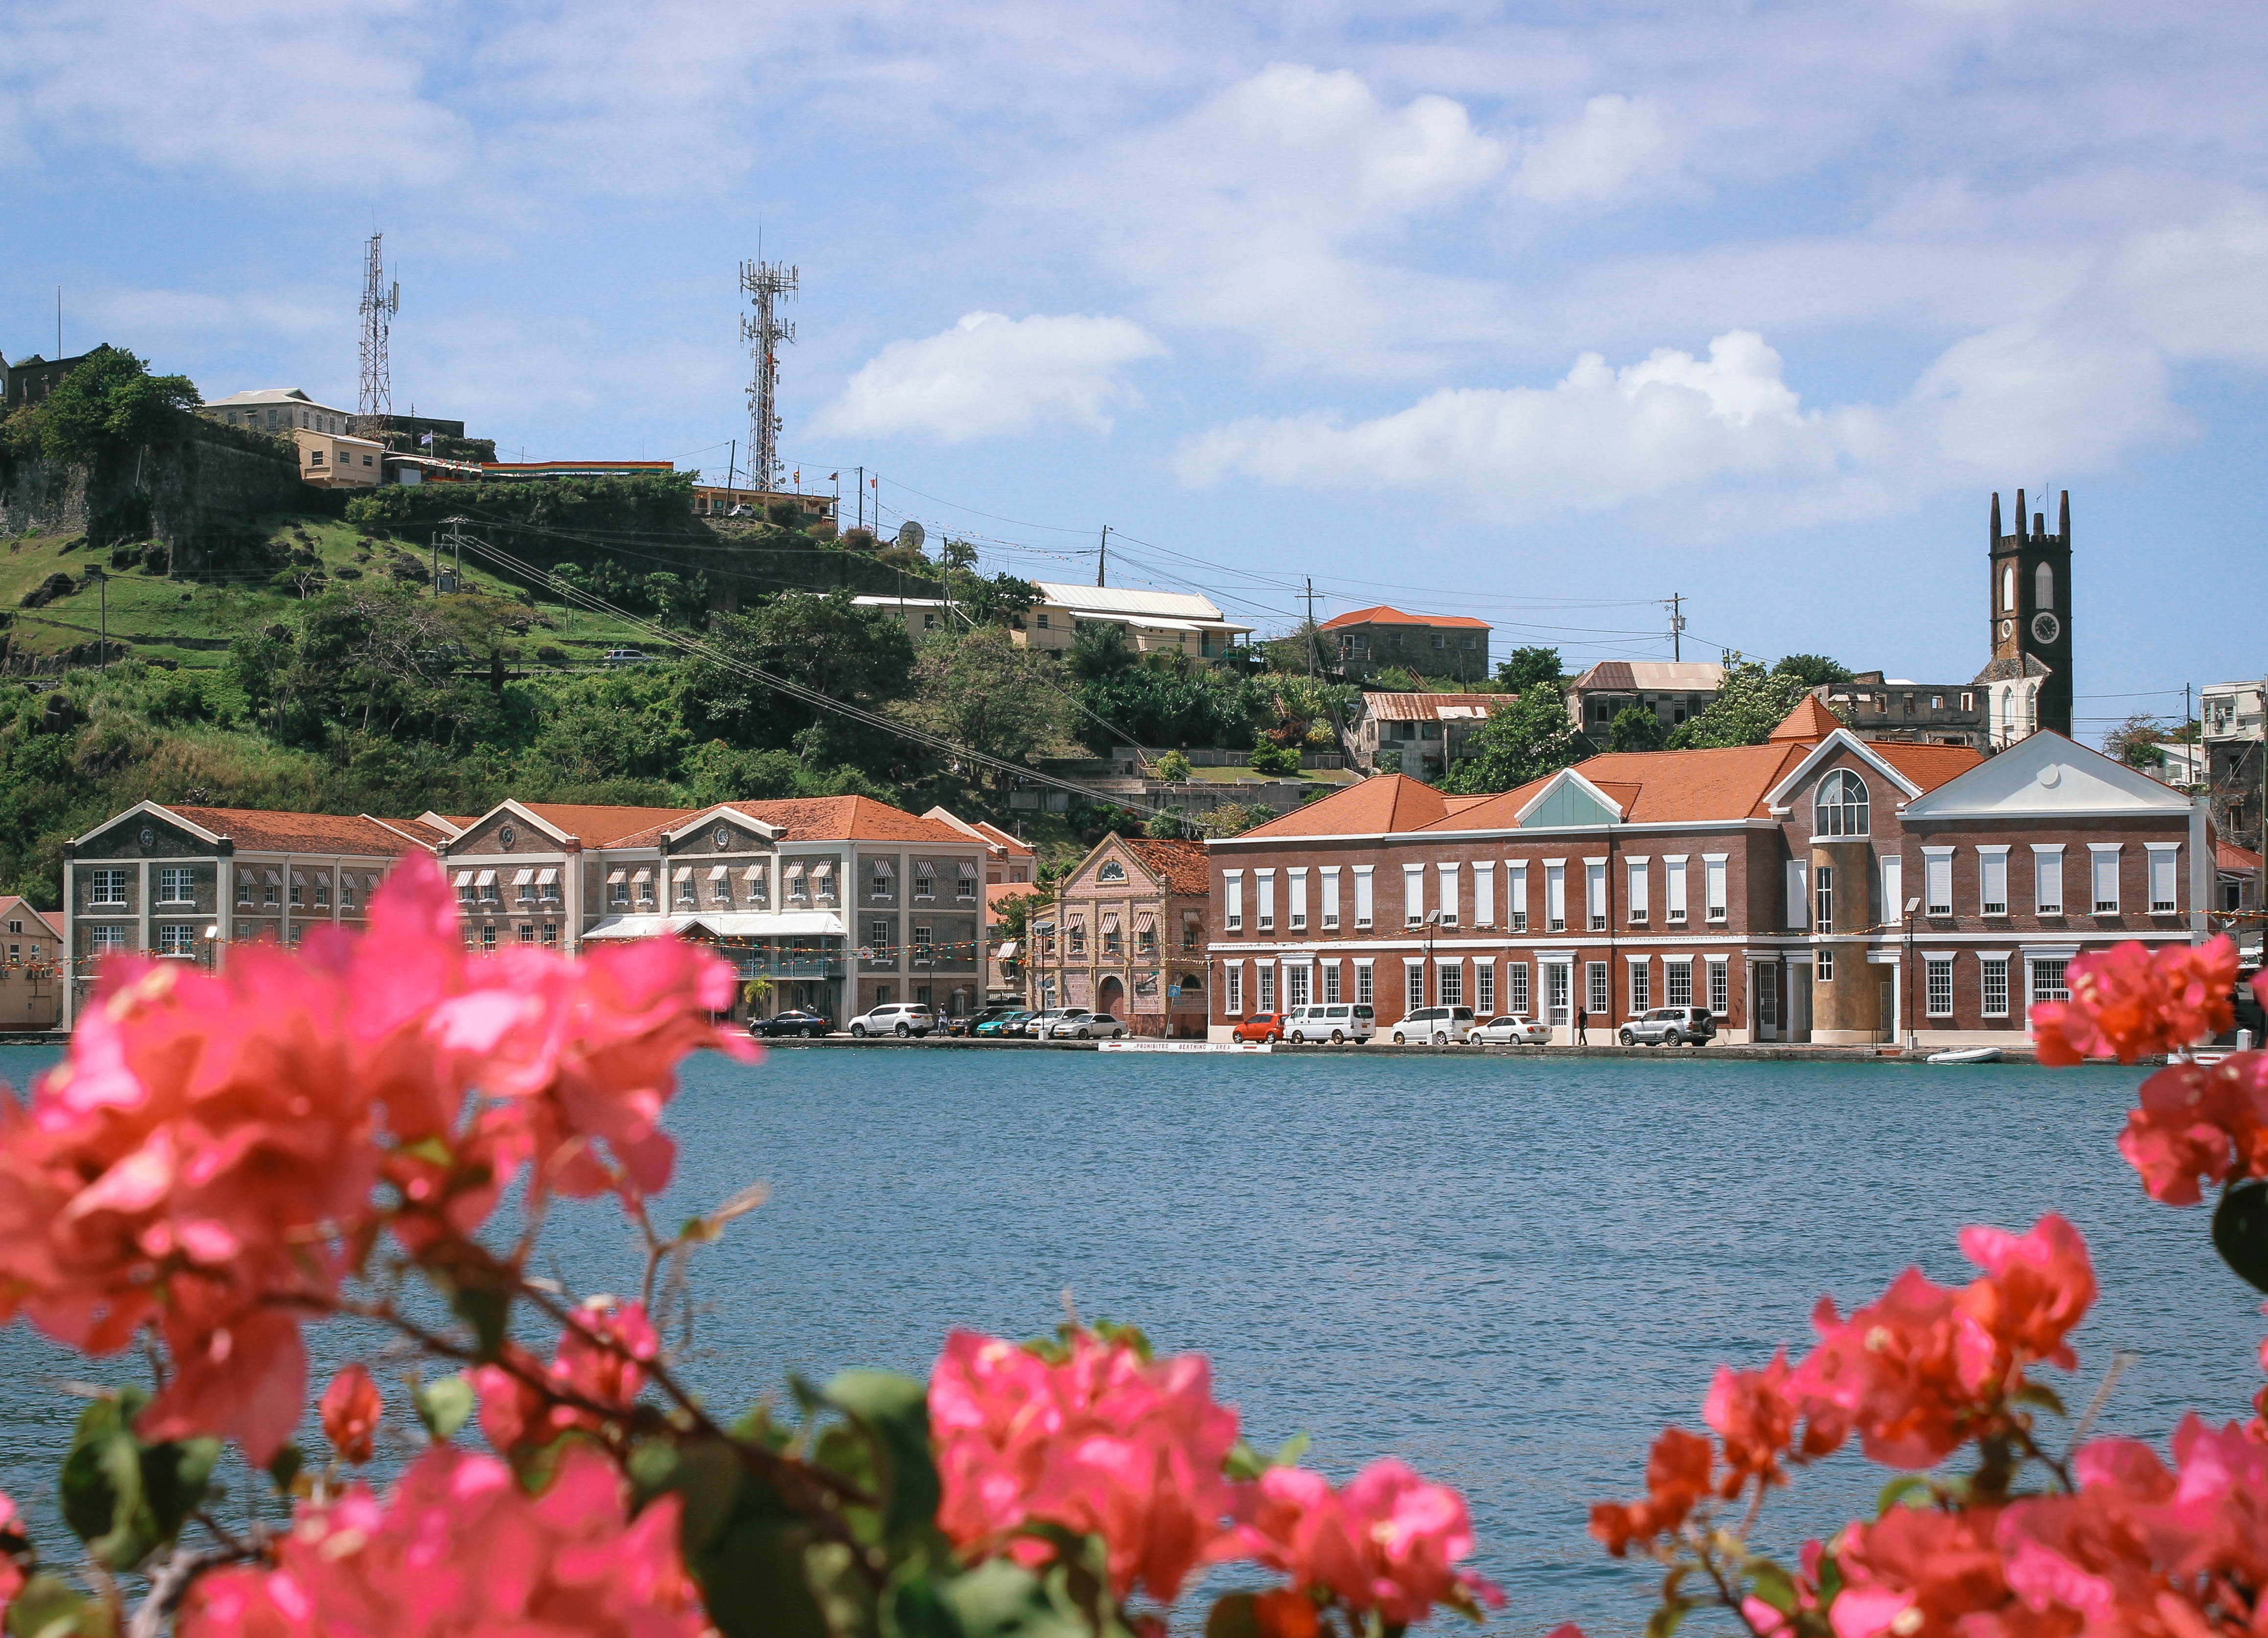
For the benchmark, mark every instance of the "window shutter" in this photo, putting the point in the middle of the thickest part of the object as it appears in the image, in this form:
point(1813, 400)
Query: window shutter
point(1798, 893)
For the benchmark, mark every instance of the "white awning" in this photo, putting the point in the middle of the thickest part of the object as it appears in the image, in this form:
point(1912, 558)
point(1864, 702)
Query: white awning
point(464, 879)
point(299, 879)
point(644, 874)
point(612, 876)
point(684, 872)
point(825, 867)
point(751, 924)
point(883, 868)
point(274, 880)
point(794, 871)
point(630, 927)
point(524, 878)
point(968, 870)
point(1008, 951)
point(718, 873)
point(923, 868)
point(544, 878)
point(487, 878)
point(754, 873)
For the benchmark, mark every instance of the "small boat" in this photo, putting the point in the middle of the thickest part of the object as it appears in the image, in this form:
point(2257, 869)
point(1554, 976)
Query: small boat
point(1967, 1054)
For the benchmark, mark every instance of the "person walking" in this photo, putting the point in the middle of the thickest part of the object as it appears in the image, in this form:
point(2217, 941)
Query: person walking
point(1582, 1027)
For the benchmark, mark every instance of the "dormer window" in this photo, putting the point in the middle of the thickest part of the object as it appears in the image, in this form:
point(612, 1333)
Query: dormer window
point(1841, 804)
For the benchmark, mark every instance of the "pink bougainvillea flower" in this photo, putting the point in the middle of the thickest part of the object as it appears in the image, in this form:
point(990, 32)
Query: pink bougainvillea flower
point(351, 1407)
point(1102, 1443)
point(2037, 1286)
point(605, 1353)
point(1388, 1541)
point(2129, 1002)
point(2199, 1123)
point(1918, 1573)
point(1754, 1419)
point(459, 1550)
point(1677, 1476)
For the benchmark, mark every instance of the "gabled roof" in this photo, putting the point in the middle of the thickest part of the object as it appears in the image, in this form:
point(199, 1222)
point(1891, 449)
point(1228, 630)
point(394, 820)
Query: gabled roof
point(1658, 675)
point(1432, 707)
point(2008, 670)
point(1387, 803)
point(1179, 865)
point(1653, 787)
point(1386, 614)
point(2226, 856)
point(724, 810)
point(261, 831)
point(265, 395)
point(15, 906)
point(1121, 600)
point(425, 831)
point(984, 831)
point(596, 826)
point(1810, 722)
point(2045, 776)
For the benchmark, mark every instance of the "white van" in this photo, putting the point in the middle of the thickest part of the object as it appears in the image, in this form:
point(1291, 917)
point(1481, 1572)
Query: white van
point(1442, 1026)
point(1330, 1021)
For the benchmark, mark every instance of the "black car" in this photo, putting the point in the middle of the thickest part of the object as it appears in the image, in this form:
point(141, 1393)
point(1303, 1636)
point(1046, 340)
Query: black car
point(795, 1021)
point(970, 1024)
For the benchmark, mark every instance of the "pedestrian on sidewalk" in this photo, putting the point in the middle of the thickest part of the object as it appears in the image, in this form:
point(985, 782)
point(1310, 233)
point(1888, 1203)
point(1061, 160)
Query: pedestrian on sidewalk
point(1582, 1027)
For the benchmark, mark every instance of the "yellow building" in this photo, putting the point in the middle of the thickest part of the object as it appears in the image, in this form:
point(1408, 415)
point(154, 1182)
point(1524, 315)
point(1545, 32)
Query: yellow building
point(332, 460)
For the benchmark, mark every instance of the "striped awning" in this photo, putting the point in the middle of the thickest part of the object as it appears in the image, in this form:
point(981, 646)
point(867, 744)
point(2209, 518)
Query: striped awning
point(884, 870)
point(968, 870)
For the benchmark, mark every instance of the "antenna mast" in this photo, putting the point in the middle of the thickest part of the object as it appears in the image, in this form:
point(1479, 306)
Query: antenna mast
point(764, 283)
point(379, 303)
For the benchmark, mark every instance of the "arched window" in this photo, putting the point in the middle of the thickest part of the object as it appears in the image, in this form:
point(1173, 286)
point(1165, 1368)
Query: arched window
point(2044, 587)
point(1841, 805)
point(2008, 588)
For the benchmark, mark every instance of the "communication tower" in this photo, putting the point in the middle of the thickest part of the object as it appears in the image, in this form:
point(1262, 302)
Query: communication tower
point(765, 283)
point(380, 301)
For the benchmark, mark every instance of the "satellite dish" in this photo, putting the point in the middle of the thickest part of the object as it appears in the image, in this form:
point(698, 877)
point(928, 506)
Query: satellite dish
point(912, 534)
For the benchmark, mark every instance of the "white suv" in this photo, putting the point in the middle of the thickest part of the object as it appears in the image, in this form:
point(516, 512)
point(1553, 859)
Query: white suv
point(1330, 1021)
point(896, 1017)
point(1443, 1026)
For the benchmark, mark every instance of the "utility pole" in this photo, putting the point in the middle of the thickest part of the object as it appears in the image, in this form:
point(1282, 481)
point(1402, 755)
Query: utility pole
point(1676, 626)
point(862, 498)
point(1311, 634)
point(731, 468)
point(102, 580)
point(1103, 558)
point(765, 283)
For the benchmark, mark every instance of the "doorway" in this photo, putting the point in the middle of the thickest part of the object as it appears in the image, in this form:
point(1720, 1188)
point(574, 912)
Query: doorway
point(1111, 998)
point(1767, 1002)
point(1799, 1003)
point(1558, 982)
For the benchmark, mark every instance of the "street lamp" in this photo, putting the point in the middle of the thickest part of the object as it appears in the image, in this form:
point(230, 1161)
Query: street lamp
point(212, 947)
point(1430, 985)
point(1912, 1041)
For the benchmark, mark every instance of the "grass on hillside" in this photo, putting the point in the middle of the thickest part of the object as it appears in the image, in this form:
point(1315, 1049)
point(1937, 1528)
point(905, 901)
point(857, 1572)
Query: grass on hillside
point(192, 621)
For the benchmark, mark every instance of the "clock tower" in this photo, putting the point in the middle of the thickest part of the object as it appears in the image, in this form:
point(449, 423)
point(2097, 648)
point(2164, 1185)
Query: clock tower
point(2031, 607)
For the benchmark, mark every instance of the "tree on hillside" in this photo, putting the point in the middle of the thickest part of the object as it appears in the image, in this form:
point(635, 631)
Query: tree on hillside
point(1527, 740)
point(1635, 728)
point(1288, 711)
point(1523, 669)
point(981, 690)
point(1815, 669)
point(1392, 680)
point(1161, 704)
point(2135, 742)
point(1752, 703)
point(1000, 600)
point(111, 402)
point(1098, 650)
point(859, 656)
point(1290, 655)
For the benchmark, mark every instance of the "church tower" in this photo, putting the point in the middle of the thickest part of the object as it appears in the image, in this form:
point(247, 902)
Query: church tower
point(2031, 609)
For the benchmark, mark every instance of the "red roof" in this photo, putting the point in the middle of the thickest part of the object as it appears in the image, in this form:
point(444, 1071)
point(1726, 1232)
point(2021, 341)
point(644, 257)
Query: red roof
point(1659, 786)
point(605, 826)
point(1810, 722)
point(264, 832)
point(2226, 856)
point(1385, 614)
point(1377, 806)
point(1180, 865)
point(815, 819)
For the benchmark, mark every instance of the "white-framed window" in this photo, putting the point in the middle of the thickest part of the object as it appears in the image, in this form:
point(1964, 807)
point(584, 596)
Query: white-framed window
point(322, 892)
point(1822, 965)
point(1232, 899)
point(1297, 879)
point(1721, 986)
point(177, 941)
point(1236, 989)
point(1677, 983)
point(965, 884)
point(176, 884)
point(1673, 888)
point(1516, 988)
point(2047, 879)
point(1362, 895)
point(1993, 881)
point(1893, 897)
point(1484, 988)
point(1298, 981)
point(1716, 898)
point(1413, 894)
point(1798, 892)
point(243, 887)
point(105, 940)
point(1937, 986)
point(1560, 991)
point(551, 932)
point(2165, 857)
point(1413, 986)
point(1330, 982)
point(1641, 984)
point(106, 887)
point(2047, 975)
point(1937, 881)
point(882, 879)
point(1452, 983)
point(1822, 898)
point(1448, 874)
point(1263, 883)
point(1554, 895)
point(2103, 858)
point(1267, 986)
point(1634, 887)
point(1841, 809)
point(1331, 876)
point(1365, 989)
point(1993, 972)
point(527, 932)
point(1515, 892)
point(346, 892)
point(1485, 893)
point(1597, 991)
point(1594, 894)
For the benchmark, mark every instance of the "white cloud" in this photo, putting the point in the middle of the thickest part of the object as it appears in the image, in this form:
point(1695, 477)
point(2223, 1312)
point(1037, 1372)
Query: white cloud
point(991, 376)
point(1702, 448)
point(1615, 144)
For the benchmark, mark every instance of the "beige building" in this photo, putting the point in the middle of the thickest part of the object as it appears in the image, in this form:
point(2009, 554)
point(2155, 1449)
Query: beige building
point(1154, 622)
point(31, 967)
point(1126, 935)
point(332, 460)
point(1673, 690)
point(1419, 734)
point(276, 409)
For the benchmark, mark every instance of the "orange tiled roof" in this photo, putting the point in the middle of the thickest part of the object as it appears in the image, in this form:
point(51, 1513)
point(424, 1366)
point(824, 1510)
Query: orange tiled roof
point(418, 831)
point(813, 818)
point(2226, 856)
point(1660, 787)
point(607, 826)
point(1180, 864)
point(1387, 803)
point(1929, 765)
point(1385, 614)
point(1810, 722)
point(264, 832)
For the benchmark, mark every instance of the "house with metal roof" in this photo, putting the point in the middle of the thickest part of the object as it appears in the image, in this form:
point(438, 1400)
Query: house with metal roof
point(276, 409)
point(1673, 690)
point(1418, 733)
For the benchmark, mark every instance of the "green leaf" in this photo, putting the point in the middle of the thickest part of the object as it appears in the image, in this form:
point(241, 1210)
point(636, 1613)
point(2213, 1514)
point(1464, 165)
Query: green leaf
point(999, 1599)
point(1289, 1452)
point(174, 1479)
point(1243, 1463)
point(1896, 1493)
point(1232, 1615)
point(445, 1405)
point(2240, 1230)
point(2042, 1395)
point(489, 1315)
point(846, 1598)
point(893, 1411)
point(286, 1466)
point(1772, 1584)
point(1666, 1619)
point(746, 1547)
point(102, 1475)
point(48, 1607)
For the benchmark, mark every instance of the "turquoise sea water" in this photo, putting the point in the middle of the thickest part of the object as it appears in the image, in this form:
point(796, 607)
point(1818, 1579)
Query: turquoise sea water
point(1509, 1272)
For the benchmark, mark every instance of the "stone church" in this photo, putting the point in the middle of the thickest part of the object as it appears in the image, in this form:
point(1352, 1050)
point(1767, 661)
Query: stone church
point(2027, 686)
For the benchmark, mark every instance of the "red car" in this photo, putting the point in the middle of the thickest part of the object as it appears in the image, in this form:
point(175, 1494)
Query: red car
point(1260, 1026)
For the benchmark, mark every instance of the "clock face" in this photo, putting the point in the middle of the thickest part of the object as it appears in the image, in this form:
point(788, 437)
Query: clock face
point(2045, 628)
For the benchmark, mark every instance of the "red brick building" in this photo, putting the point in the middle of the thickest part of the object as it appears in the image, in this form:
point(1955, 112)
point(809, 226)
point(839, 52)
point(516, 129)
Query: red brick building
point(1769, 882)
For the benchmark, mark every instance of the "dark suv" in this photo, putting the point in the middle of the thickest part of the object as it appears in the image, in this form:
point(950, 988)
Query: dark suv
point(1671, 1026)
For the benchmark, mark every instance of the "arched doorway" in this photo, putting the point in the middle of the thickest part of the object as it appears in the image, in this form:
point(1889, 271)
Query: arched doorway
point(1111, 998)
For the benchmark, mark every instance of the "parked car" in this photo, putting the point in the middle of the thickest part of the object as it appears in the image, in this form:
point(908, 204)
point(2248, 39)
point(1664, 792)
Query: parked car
point(968, 1026)
point(1670, 1026)
point(1036, 1027)
point(896, 1017)
point(1511, 1030)
point(625, 657)
point(1330, 1021)
point(1082, 1026)
point(1011, 1022)
point(1260, 1026)
point(795, 1021)
point(1442, 1026)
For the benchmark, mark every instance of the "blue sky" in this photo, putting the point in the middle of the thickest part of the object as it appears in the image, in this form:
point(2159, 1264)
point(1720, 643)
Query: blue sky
point(1539, 313)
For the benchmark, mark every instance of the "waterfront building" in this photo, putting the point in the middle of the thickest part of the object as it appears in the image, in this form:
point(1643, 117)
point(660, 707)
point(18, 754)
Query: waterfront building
point(1126, 935)
point(1770, 883)
point(30, 967)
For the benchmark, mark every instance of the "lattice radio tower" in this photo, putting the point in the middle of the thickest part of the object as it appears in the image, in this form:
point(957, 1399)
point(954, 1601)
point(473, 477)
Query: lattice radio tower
point(380, 301)
point(765, 282)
